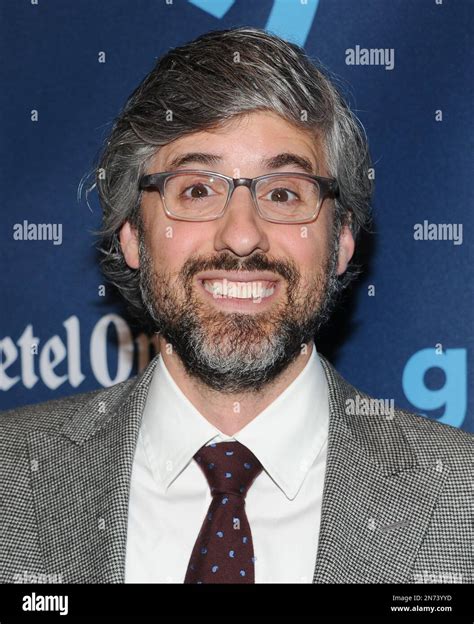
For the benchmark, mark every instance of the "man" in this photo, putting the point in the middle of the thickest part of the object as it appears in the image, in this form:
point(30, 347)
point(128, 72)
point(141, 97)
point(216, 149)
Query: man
point(234, 185)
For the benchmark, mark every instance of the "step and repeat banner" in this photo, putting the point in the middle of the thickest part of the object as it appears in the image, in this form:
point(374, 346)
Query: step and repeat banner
point(403, 333)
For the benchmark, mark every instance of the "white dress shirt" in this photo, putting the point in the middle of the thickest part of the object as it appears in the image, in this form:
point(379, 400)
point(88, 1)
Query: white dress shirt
point(169, 494)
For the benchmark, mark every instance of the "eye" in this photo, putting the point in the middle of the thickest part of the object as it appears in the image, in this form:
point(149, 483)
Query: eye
point(281, 195)
point(198, 191)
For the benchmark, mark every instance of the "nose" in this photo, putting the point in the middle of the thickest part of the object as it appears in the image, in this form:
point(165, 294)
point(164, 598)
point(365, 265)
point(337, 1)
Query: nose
point(241, 230)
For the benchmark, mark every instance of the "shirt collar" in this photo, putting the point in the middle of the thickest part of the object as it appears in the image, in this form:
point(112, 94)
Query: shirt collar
point(286, 437)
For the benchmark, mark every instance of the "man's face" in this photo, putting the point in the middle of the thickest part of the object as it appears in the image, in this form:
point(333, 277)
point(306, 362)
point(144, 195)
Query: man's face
point(237, 343)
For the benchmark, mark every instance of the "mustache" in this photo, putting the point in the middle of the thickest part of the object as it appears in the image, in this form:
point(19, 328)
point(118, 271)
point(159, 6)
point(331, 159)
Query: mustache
point(227, 262)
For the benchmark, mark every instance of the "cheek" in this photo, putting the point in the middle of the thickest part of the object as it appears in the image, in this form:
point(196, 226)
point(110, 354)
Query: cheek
point(174, 242)
point(307, 246)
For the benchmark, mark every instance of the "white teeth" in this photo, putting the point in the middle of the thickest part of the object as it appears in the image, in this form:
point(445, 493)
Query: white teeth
point(238, 290)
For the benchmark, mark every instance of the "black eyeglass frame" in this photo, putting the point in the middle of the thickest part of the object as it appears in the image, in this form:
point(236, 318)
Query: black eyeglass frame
point(327, 187)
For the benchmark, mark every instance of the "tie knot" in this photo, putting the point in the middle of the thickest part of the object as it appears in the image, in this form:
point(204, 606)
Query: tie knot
point(230, 467)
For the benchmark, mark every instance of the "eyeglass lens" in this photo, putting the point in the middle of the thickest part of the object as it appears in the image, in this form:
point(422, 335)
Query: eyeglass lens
point(202, 196)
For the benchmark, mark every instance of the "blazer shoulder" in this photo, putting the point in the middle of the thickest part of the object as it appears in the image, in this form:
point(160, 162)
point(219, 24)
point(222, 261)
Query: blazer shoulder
point(51, 415)
point(435, 437)
point(430, 440)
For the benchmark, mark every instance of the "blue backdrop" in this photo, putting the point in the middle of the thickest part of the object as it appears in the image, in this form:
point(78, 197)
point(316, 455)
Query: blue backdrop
point(406, 65)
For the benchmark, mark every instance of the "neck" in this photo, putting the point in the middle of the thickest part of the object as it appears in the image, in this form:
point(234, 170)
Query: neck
point(230, 412)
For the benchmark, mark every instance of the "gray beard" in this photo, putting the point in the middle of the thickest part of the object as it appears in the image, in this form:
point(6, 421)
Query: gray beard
point(234, 352)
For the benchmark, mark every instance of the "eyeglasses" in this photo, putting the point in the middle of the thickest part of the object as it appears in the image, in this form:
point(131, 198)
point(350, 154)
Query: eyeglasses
point(194, 195)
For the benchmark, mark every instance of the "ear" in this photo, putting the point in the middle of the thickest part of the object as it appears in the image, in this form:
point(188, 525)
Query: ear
point(129, 244)
point(346, 249)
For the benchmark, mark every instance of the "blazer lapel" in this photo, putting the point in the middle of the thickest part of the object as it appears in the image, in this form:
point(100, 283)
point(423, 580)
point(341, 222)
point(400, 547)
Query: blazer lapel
point(81, 478)
point(377, 500)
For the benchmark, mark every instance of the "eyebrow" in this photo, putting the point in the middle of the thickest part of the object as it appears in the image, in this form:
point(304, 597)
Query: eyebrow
point(274, 162)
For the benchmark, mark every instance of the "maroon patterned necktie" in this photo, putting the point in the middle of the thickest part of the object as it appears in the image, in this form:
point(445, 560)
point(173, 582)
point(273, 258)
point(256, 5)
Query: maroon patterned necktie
point(223, 552)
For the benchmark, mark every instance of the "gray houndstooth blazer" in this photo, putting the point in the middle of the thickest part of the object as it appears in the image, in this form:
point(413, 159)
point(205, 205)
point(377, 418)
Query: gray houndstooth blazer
point(397, 503)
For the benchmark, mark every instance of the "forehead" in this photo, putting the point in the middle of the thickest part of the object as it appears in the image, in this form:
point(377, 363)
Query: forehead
point(246, 140)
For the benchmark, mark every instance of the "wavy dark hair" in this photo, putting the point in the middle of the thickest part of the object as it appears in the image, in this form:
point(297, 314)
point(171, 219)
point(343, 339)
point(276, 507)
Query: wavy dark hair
point(205, 83)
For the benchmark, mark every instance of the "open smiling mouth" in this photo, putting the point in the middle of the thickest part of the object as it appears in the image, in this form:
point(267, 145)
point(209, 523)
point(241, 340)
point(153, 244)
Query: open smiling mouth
point(242, 295)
